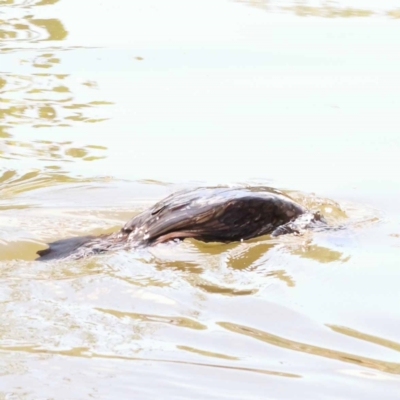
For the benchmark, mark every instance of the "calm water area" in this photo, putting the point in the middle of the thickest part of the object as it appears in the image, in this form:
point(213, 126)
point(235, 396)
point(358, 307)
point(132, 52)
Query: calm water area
point(108, 106)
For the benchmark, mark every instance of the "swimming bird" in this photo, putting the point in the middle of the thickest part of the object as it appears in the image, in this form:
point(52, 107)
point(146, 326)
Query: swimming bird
point(209, 214)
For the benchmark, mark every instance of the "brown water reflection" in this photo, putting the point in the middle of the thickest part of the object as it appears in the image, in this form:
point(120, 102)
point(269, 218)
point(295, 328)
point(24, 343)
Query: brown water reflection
point(41, 99)
point(14, 182)
point(44, 100)
point(46, 150)
point(106, 107)
point(28, 29)
point(28, 3)
point(318, 253)
point(173, 320)
point(394, 13)
point(326, 9)
point(47, 100)
point(385, 366)
point(364, 336)
point(85, 352)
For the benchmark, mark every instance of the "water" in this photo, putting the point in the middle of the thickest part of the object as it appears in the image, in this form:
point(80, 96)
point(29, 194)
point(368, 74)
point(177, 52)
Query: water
point(106, 107)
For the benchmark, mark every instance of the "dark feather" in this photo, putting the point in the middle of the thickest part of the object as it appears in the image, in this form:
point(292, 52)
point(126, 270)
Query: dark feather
point(214, 214)
point(208, 214)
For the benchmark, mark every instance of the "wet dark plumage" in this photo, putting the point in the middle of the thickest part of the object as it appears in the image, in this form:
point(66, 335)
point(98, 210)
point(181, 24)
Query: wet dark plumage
point(207, 214)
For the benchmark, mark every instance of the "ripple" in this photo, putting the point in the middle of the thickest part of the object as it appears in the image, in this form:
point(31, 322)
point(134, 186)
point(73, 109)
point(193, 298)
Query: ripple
point(50, 151)
point(28, 3)
point(14, 182)
point(322, 9)
point(16, 31)
point(47, 100)
point(385, 366)
point(171, 320)
point(366, 337)
point(207, 353)
point(20, 30)
point(85, 352)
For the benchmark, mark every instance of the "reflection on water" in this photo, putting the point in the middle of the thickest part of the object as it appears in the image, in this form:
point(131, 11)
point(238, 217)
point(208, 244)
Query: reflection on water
point(390, 367)
point(14, 183)
point(327, 11)
point(28, 3)
point(17, 30)
point(315, 252)
point(324, 8)
point(53, 26)
point(207, 353)
point(23, 28)
point(364, 336)
point(203, 320)
point(84, 352)
point(394, 13)
point(178, 321)
point(249, 257)
point(3, 132)
point(47, 100)
point(50, 151)
point(43, 99)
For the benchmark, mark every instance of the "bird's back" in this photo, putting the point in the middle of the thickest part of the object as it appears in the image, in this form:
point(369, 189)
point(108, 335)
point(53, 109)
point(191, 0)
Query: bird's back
point(207, 214)
point(213, 214)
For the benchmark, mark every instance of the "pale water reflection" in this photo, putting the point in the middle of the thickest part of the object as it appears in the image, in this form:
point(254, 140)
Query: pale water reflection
point(47, 100)
point(106, 107)
point(328, 8)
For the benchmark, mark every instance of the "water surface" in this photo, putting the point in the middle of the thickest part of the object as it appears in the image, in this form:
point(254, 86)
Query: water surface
point(106, 107)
